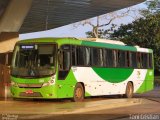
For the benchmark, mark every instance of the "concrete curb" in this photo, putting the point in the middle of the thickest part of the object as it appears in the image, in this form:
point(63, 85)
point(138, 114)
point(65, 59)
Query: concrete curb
point(108, 104)
point(93, 106)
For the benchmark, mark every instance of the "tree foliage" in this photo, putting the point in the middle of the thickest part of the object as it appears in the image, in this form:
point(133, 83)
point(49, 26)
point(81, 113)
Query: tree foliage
point(152, 8)
point(144, 32)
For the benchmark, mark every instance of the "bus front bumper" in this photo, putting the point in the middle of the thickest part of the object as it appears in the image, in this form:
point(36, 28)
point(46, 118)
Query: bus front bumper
point(43, 92)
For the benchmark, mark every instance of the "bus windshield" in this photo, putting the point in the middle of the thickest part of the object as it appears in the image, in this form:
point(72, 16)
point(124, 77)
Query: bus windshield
point(34, 60)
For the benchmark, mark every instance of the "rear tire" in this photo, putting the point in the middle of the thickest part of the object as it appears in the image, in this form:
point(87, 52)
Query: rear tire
point(78, 93)
point(129, 90)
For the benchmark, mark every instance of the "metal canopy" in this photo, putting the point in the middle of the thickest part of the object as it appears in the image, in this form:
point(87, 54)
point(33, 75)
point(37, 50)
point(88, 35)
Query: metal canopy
point(49, 14)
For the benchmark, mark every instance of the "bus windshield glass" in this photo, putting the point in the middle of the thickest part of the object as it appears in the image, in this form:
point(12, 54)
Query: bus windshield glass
point(34, 60)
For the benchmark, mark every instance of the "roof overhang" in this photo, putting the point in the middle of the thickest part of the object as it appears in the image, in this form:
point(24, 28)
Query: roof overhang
point(48, 14)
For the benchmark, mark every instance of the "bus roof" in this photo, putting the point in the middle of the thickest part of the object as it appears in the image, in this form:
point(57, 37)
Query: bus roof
point(86, 42)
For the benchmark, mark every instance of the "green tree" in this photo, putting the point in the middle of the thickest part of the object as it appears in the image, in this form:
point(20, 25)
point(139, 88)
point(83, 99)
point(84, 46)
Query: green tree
point(144, 32)
point(153, 6)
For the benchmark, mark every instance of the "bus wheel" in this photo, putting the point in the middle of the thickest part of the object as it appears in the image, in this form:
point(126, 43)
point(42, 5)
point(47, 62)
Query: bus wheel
point(129, 90)
point(78, 93)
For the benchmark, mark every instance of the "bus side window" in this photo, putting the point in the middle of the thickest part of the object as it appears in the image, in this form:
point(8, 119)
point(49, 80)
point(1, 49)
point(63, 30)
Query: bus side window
point(145, 60)
point(96, 57)
point(108, 57)
point(150, 66)
point(139, 62)
point(81, 56)
point(133, 59)
point(66, 60)
point(73, 56)
point(121, 58)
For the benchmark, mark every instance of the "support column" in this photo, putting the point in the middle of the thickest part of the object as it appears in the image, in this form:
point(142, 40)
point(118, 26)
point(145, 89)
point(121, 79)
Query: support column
point(7, 41)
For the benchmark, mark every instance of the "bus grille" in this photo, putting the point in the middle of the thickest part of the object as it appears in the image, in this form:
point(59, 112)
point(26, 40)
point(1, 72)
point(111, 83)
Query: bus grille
point(35, 94)
point(30, 85)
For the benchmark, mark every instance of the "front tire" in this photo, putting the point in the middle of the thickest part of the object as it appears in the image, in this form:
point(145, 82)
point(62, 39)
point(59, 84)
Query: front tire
point(78, 93)
point(129, 90)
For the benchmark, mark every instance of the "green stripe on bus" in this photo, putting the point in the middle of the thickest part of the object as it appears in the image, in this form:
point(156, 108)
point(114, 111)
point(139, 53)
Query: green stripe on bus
point(111, 46)
point(113, 75)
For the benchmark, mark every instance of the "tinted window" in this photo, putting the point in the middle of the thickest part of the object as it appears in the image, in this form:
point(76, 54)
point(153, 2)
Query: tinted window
point(108, 57)
point(97, 57)
point(74, 58)
point(145, 60)
point(139, 60)
point(66, 60)
point(81, 55)
point(121, 59)
point(150, 61)
point(133, 59)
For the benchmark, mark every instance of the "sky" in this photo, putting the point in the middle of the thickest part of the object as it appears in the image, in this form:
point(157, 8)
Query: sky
point(80, 30)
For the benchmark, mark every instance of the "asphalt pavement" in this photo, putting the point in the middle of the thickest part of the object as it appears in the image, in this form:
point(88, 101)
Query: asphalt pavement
point(102, 108)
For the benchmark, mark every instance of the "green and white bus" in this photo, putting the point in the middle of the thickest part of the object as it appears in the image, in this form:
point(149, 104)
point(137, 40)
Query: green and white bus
point(72, 68)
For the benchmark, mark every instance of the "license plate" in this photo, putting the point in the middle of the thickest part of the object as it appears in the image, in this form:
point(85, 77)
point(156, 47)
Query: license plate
point(29, 91)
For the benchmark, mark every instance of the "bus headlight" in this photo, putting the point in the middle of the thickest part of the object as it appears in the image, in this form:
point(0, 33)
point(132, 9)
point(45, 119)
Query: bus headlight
point(51, 82)
point(14, 84)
